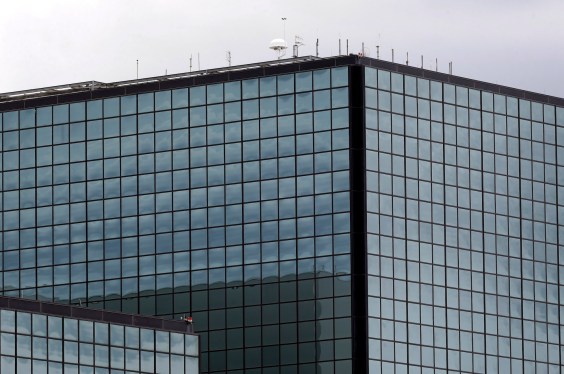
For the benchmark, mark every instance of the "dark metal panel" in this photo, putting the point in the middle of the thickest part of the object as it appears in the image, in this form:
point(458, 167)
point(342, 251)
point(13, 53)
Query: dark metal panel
point(387, 65)
point(429, 74)
point(535, 96)
point(486, 86)
point(317, 64)
point(4, 302)
point(210, 79)
point(57, 309)
point(246, 74)
point(86, 313)
point(282, 69)
point(27, 305)
point(12, 105)
point(114, 91)
point(556, 100)
point(147, 87)
point(358, 221)
point(405, 69)
point(64, 310)
point(461, 81)
point(147, 322)
point(176, 83)
point(510, 91)
point(114, 317)
point(79, 96)
point(41, 101)
point(179, 326)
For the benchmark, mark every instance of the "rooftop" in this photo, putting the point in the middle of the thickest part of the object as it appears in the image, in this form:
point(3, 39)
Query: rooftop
point(94, 90)
point(96, 315)
point(95, 85)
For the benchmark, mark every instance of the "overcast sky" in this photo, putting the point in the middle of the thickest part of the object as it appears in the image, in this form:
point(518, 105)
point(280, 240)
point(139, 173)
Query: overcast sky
point(518, 43)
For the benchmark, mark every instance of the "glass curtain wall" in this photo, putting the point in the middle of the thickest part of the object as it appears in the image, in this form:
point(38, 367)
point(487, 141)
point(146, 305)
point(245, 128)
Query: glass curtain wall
point(464, 195)
point(228, 202)
point(40, 343)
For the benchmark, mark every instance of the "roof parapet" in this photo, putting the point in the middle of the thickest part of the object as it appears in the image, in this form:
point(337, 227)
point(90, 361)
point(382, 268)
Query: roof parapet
point(94, 85)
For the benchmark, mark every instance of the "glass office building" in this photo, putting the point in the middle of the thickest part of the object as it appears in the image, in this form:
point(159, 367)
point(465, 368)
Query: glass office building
point(464, 183)
point(313, 215)
point(39, 337)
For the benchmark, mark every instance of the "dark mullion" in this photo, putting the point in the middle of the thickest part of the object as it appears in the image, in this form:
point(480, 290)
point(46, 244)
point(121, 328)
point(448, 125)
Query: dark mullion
point(359, 281)
point(522, 343)
point(444, 224)
point(558, 223)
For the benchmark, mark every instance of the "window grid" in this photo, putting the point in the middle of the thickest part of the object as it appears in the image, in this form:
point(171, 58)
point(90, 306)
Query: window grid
point(462, 201)
point(38, 342)
point(202, 200)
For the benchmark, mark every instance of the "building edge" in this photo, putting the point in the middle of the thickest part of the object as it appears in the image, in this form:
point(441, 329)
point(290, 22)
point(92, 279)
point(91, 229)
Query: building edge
point(358, 220)
point(257, 71)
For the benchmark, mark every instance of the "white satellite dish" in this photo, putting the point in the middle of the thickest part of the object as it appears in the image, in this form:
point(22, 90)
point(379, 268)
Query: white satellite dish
point(279, 46)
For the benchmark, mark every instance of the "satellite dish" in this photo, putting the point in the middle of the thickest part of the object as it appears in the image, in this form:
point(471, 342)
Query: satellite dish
point(279, 46)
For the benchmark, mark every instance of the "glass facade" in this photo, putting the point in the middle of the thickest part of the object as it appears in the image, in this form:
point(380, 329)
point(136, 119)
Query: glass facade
point(33, 342)
point(330, 216)
point(228, 202)
point(464, 195)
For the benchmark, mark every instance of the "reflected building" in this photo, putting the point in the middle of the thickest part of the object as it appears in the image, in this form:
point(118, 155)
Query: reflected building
point(40, 337)
point(312, 215)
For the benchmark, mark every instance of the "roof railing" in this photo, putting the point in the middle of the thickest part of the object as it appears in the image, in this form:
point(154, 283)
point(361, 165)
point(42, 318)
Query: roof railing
point(94, 85)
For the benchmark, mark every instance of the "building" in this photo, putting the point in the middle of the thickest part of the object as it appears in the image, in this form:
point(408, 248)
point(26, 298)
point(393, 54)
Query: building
point(40, 337)
point(313, 215)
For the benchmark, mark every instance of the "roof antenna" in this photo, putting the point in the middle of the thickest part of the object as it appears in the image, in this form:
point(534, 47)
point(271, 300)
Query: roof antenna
point(450, 68)
point(362, 49)
point(392, 55)
point(421, 61)
point(190, 63)
point(339, 46)
point(279, 45)
point(228, 57)
point(317, 48)
point(298, 42)
point(436, 64)
point(198, 60)
point(378, 47)
point(137, 69)
point(407, 60)
point(347, 46)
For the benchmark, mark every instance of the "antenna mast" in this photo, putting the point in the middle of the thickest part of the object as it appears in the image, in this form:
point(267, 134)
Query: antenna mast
point(298, 42)
point(228, 57)
point(279, 45)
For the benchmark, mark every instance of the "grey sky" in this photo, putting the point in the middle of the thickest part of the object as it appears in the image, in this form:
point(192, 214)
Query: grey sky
point(49, 42)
